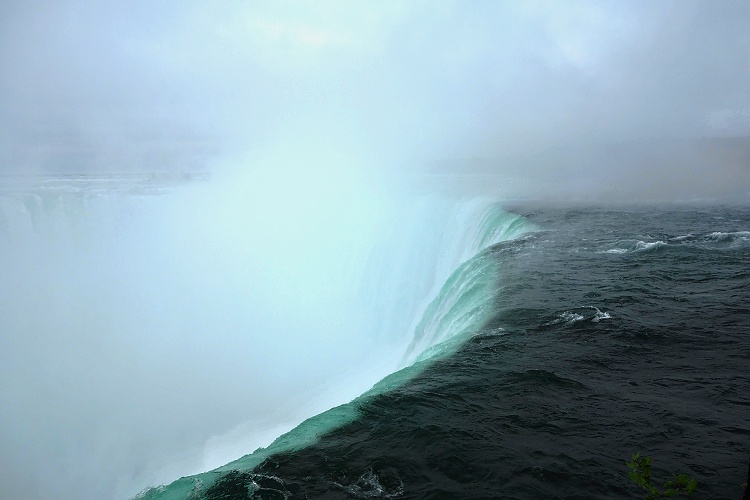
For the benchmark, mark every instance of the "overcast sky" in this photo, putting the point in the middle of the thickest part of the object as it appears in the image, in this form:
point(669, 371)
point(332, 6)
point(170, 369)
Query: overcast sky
point(128, 84)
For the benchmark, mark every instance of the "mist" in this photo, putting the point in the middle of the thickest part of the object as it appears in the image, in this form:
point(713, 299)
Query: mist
point(88, 87)
point(298, 107)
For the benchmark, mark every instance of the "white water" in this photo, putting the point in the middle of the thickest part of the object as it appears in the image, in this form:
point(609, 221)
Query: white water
point(150, 337)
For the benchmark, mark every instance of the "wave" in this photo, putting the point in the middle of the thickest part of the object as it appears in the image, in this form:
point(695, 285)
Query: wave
point(732, 237)
point(707, 241)
point(571, 317)
point(644, 246)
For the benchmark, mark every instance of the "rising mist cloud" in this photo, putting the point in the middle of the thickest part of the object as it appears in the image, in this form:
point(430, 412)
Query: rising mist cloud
point(405, 82)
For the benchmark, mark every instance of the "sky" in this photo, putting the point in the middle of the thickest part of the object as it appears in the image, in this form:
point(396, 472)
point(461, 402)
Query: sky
point(104, 86)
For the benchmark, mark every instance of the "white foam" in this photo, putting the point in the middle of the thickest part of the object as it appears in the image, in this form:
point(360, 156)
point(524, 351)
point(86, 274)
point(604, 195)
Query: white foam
point(600, 315)
point(723, 236)
point(682, 237)
point(567, 317)
point(572, 317)
point(642, 246)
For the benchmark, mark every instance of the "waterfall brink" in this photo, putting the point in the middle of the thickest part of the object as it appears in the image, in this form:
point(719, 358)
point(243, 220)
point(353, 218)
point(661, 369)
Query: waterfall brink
point(148, 336)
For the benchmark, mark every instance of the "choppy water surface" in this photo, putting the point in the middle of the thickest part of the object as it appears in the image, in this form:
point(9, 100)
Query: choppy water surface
point(614, 331)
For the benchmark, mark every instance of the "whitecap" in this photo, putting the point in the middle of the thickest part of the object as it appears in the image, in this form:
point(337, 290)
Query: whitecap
point(600, 315)
point(681, 237)
point(724, 236)
point(567, 317)
point(572, 317)
point(643, 246)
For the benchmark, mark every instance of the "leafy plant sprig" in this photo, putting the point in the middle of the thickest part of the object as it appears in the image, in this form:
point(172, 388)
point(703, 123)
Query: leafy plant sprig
point(640, 474)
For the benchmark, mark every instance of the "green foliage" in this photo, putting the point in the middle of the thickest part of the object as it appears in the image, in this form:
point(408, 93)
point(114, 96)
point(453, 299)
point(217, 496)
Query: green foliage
point(640, 474)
